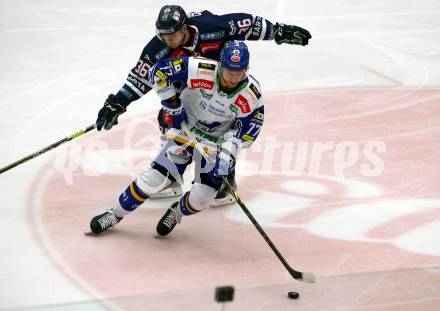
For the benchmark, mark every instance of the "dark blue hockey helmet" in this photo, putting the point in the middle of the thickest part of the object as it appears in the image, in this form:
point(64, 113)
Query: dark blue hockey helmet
point(171, 18)
point(234, 56)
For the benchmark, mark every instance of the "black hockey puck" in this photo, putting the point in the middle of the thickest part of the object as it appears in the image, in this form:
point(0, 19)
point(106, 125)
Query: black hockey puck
point(293, 295)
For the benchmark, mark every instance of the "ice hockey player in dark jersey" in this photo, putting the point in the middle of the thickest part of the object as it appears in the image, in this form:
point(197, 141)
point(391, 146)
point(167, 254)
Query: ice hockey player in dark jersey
point(198, 34)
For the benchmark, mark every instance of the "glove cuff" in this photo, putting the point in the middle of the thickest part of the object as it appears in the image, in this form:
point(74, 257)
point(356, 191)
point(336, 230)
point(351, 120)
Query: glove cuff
point(229, 151)
point(172, 111)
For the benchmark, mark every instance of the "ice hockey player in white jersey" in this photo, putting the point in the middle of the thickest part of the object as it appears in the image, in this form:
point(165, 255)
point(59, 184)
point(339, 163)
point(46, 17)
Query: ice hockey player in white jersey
point(222, 105)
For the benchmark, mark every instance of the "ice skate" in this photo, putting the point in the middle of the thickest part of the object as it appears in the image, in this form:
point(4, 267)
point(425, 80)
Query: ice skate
point(102, 222)
point(172, 217)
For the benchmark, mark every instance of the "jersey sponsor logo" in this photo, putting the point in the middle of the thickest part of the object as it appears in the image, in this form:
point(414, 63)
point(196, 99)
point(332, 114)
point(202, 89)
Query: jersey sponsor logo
point(126, 93)
point(233, 28)
point(178, 65)
point(206, 66)
point(163, 88)
point(251, 95)
point(216, 110)
point(212, 35)
point(161, 75)
point(162, 84)
point(178, 155)
point(243, 104)
point(193, 14)
point(258, 118)
point(220, 103)
point(207, 127)
point(207, 47)
point(177, 53)
point(203, 105)
point(233, 108)
point(160, 79)
point(256, 29)
point(247, 137)
point(205, 94)
point(138, 84)
point(255, 90)
point(161, 53)
point(202, 84)
point(203, 72)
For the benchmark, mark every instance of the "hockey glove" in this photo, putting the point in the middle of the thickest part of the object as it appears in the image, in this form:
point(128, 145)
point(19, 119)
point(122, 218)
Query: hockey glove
point(108, 115)
point(173, 114)
point(290, 34)
point(224, 163)
point(162, 118)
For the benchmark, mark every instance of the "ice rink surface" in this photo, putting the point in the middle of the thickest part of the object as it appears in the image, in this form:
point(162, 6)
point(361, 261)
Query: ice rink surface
point(344, 177)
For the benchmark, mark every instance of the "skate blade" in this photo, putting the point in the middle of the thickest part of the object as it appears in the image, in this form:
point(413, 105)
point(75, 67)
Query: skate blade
point(89, 232)
point(165, 195)
point(223, 202)
point(158, 236)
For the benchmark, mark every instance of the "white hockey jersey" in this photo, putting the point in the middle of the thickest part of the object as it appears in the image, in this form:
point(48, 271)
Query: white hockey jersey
point(213, 114)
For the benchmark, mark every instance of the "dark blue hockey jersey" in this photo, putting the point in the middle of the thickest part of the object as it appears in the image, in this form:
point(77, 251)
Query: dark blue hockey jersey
point(209, 33)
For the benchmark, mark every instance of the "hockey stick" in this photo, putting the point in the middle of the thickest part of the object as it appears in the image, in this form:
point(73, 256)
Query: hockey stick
point(46, 149)
point(307, 277)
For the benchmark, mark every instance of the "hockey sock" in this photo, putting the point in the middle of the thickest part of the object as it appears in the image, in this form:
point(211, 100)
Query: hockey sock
point(185, 207)
point(131, 198)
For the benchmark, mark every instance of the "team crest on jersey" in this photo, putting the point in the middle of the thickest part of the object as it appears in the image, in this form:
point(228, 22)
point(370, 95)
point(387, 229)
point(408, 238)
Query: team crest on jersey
point(243, 104)
point(202, 84)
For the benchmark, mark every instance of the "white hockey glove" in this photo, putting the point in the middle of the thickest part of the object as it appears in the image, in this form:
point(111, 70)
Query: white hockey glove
point(225, 161)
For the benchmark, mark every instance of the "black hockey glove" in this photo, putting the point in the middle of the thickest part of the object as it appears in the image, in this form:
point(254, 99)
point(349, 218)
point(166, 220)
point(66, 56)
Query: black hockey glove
point(290, 34)
point(108, 115)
